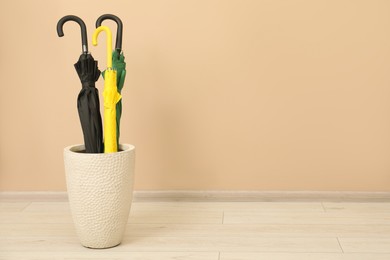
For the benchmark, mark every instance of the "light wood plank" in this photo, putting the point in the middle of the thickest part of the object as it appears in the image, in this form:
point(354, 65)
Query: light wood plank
point(232, 206)
point(150, 214)
point(301, 256)
point(180, 244)
point(210, 230)
point(357, 207)
point(37, 230)
point(59, 218)
point(162, 215)
point(108, 255)
point(135, 217)
point(13, 206)
point(258, 230)
point(178, 218)
point(365, 245)
point(233, 217)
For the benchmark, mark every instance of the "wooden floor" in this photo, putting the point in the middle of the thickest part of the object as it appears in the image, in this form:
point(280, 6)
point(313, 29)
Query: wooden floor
point(206, 231)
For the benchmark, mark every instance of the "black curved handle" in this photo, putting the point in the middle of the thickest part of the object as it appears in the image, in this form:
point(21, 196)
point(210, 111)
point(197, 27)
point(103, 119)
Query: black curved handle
point(78, 20)
point(119, 32)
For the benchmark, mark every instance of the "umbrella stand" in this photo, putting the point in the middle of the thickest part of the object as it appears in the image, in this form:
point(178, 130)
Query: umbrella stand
point(88, 99)
point(110, 94)
point(118, 64)
point(99, 185)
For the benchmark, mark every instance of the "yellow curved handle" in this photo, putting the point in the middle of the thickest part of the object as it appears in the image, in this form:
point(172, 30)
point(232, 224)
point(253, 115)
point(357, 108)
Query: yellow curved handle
point(109, 42)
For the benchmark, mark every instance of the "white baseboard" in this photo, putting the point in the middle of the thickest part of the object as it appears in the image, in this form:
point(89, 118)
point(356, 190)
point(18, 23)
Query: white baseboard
point(33, 196)
point(261, 196)
point(210, 196)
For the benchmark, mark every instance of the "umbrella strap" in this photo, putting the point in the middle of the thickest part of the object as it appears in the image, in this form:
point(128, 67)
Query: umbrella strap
point(87, 85)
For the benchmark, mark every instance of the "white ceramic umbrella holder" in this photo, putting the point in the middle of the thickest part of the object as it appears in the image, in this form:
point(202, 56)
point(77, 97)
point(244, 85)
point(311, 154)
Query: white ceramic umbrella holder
point(100, 189)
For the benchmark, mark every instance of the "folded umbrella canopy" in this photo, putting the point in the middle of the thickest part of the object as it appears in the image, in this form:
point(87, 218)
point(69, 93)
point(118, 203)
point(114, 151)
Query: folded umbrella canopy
point(88, 98)
point(118, 64)
point(110, 95)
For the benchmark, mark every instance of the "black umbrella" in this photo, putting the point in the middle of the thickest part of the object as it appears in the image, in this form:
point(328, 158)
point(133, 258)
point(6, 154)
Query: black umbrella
point(88, 98)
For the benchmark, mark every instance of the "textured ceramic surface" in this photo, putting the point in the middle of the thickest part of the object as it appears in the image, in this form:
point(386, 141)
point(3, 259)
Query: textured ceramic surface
point(100, 188)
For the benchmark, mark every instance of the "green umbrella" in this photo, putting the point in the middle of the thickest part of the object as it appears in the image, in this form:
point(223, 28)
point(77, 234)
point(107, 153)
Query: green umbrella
point(118, 64)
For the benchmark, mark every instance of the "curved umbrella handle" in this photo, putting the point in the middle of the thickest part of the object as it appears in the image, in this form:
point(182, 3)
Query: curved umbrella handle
point(119, 32)
point(109, 43)
point(78, 20)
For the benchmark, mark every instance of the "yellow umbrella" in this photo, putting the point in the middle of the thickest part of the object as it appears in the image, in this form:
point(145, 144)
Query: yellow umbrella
point(110, 95)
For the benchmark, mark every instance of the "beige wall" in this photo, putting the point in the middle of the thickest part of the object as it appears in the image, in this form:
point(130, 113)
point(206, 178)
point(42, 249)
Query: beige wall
point(241, 95)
